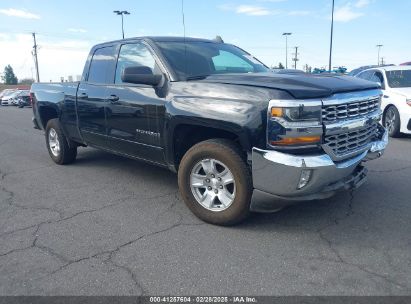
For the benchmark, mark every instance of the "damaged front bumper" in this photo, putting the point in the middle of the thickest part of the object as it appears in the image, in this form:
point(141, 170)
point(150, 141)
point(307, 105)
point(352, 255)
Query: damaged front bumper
point(277, 176)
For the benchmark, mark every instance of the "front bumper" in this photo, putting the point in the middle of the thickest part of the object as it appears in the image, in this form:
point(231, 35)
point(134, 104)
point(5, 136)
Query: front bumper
point(276, 176)
point(405, 118)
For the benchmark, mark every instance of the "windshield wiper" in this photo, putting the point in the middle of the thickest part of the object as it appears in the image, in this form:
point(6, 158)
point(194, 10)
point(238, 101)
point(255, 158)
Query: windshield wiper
point(197, 77)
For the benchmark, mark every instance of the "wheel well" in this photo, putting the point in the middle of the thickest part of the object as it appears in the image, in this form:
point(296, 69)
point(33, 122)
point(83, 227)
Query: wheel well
point(186, 136)
point(47, 113)
point(386, 109)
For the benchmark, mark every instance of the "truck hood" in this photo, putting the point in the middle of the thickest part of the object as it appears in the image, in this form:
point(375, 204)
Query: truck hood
point(300, 86)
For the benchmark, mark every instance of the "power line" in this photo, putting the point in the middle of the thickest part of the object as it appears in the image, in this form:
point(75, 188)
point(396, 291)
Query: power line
point(379, 46)
point(48, 34)
point(295, 59)
point(36, 61)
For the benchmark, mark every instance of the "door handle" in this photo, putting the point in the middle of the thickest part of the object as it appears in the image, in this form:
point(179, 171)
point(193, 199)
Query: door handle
point(83, 96)
point(113, 98)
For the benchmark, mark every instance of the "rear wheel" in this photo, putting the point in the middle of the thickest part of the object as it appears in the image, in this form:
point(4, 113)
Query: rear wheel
point(215, 182)
point(57, 145)
point(392, 121)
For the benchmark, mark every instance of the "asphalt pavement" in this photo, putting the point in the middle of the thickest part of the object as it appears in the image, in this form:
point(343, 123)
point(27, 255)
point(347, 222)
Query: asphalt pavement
point(107, 225)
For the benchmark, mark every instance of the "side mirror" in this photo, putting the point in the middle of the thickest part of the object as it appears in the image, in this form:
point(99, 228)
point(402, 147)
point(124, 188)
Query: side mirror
point(140, 75)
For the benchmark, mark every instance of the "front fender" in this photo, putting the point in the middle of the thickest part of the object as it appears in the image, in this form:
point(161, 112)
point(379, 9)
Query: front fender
point(243, 119)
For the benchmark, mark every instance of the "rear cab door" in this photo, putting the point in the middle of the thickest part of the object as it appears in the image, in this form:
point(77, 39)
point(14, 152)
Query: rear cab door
point(92, 95)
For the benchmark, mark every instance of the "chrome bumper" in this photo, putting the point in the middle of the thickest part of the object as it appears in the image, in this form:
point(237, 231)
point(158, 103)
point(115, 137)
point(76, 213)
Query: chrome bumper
point(276, 176)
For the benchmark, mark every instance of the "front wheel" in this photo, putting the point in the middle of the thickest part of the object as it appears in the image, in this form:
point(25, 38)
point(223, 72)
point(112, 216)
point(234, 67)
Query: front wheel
point(57, 145)
point(392, 121)
point(215, 182)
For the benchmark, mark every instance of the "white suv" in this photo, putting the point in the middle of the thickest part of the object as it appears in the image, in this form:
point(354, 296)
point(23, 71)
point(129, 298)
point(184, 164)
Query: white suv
point(396, 102)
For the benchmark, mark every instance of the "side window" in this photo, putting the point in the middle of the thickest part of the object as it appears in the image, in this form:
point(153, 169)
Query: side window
point(102, 66)
point(380, 77)
point(374, 78)
point(136, 54)
point(226, 61)
point(365, 75)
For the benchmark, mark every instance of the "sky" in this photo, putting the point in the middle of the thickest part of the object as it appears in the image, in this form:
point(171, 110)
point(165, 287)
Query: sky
point(66, 30)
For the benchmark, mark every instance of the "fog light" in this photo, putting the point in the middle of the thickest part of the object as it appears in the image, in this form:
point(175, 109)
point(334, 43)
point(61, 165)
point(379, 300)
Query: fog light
point(304, 179)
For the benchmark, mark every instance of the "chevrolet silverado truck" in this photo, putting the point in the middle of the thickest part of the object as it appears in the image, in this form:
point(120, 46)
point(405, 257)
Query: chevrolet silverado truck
point(240, 137)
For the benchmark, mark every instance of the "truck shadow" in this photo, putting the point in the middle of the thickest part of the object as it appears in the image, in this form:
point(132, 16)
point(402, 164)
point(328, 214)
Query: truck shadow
point(404, 136)
point(370, 214)
point(93, 158)
point(365, 207)
point(303, 215)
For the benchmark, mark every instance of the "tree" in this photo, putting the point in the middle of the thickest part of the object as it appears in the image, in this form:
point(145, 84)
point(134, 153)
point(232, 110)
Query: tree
point(8, 76)
point(27, 81)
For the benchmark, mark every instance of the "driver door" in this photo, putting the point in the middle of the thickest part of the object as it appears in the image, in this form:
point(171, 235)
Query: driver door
point(134, 111)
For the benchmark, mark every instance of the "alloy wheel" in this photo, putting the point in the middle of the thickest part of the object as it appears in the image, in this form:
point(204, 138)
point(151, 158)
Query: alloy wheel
point(213, 185)
point(54, 142)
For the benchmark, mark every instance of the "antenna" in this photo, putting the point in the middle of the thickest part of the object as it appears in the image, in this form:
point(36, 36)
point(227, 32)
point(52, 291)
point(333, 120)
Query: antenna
point(183, 16)
point(185, 43)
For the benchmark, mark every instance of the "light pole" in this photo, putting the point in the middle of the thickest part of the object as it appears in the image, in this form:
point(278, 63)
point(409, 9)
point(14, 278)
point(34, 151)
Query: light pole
point(379, 46)
point(286, 48)
point(122, 13)
point(331, 40)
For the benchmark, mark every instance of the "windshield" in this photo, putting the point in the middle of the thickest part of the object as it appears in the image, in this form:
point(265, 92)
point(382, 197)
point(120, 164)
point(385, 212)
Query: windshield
point(199, 59)
point(24, 93)
point(14, 94)
point(10, 93)
point(399, 78)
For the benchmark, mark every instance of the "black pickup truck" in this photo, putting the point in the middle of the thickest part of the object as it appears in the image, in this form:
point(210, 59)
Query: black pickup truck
point(241, 137)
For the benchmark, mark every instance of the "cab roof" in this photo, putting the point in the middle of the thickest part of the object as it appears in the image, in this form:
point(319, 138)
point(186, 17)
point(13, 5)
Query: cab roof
point(395, 68)
point(158, 39)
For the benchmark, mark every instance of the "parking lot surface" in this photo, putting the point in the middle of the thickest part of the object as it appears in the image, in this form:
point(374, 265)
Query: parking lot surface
point(106, 225)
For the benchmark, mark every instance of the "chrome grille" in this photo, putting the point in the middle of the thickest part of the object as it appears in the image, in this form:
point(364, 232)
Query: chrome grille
point(350, 142)
point(349, 110)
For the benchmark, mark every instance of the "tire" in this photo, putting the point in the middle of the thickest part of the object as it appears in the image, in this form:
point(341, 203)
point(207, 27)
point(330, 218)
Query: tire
point(196, 184)
point(62, 153)
point(392, 121)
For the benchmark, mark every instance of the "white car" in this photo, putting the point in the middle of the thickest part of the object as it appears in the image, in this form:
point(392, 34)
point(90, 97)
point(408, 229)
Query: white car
point(11, 98)
point(4, 95)
point(396, 102)
point(8, 98)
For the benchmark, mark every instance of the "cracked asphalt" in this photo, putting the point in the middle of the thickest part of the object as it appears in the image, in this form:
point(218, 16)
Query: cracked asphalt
point(106, 225)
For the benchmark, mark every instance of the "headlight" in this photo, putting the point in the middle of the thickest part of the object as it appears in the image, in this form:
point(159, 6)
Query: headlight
point(300, 113)
point(408, 102)
point(297, 123)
